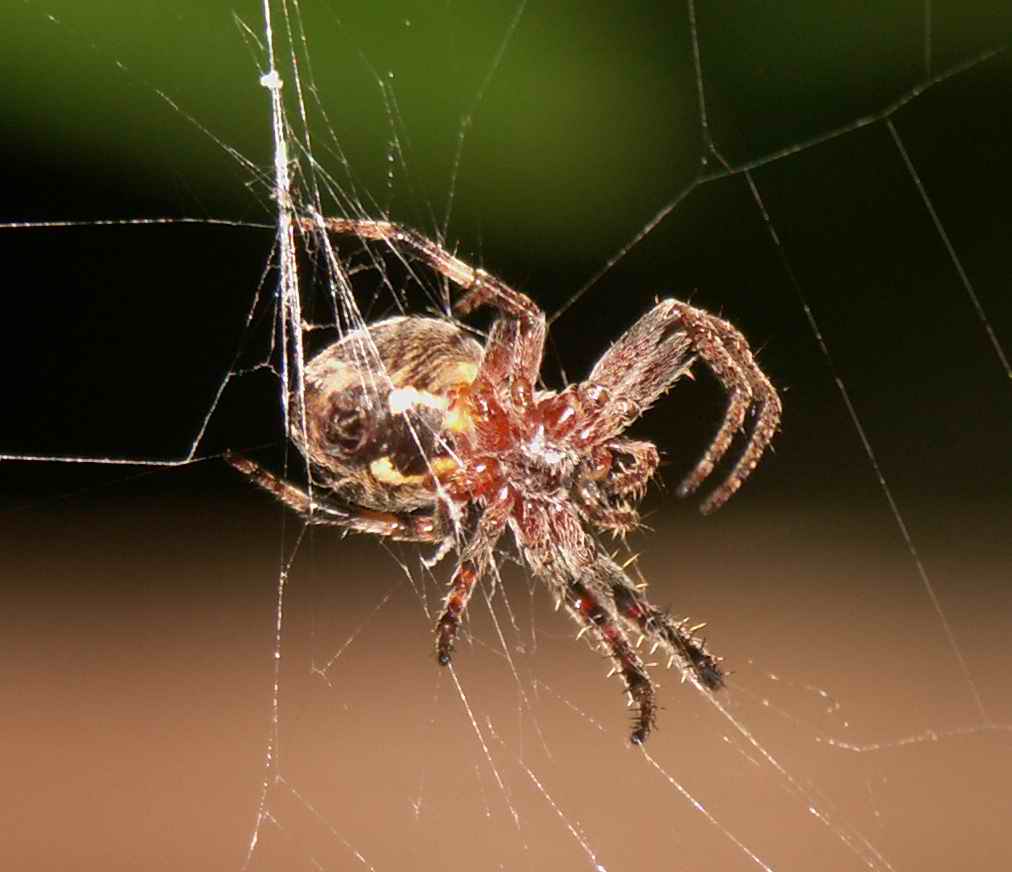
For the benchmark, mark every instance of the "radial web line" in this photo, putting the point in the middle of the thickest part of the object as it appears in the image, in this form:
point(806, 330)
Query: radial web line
point(705, 812)
point(287, 287)
point(697, 66)
point(956, 262)
point(577, 834)
point(130, 222)
point(525, 701)
point(355, 852)
point(488, 757)
point(854, 840)
point(870, 453)
point(763, 160)
point(466, 121)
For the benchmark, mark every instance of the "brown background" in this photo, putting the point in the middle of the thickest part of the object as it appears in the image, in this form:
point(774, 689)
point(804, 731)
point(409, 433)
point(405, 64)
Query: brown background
point(139, 672)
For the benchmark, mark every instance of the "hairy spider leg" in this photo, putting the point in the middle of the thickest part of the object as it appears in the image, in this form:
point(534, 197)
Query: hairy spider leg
point(590, 609)
point(628, 478)
point(474, 565)
point(660, 348)
point(767, 405)
point(560, 552)
point(685, 650)
point(404, 527)
point(514, 347)
point(461, 586)
point(616, 519)
point(632, 478)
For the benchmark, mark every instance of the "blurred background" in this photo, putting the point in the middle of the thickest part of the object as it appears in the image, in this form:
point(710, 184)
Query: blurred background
point(540, 140)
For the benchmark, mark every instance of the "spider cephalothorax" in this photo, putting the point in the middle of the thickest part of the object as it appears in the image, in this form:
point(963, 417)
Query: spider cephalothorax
point(421, 434)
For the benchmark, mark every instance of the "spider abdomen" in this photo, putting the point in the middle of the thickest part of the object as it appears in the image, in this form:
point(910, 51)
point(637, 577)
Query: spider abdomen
point(376, 404)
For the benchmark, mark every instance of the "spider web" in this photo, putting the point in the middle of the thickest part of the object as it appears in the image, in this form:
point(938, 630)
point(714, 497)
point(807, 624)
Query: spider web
point(168, 625)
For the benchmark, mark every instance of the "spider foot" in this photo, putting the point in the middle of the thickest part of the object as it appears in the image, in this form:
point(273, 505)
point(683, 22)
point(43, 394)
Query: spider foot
point(446, 636)
point(641, 697)
point(702, 664)
point(685, 649)
point(585, 606)
point(723, 348)
point(453, 610)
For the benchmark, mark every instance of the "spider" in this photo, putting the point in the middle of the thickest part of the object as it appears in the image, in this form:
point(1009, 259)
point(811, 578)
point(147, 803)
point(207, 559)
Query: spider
point(414, 431)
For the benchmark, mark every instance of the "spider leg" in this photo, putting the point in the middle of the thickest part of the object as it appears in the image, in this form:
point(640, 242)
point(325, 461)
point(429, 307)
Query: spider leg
point(402, 527)
point(633, 475)
point(593, 612)
point(658, 350)
point(515, 344)
point(558, 550)
point(474, 563)
point(640, 366)
point(727, 353)
point(461, 587)
point(618, 519)
point(619, 471)
point(683, 647)
point(481, 287)
point(442, 261)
